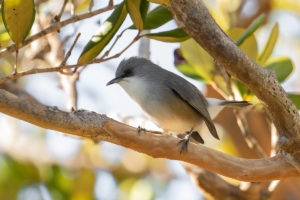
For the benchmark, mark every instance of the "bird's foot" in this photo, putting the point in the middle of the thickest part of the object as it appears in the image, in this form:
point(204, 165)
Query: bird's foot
point(185, 142)
point(140, 129)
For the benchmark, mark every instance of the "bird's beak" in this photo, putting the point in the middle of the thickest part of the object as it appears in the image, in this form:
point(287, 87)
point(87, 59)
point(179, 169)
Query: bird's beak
point(115, 80)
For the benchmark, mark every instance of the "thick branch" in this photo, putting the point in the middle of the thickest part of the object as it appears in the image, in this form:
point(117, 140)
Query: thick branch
point(14, 89)
point(221, 189)
point(199, 24)
point(99, 127)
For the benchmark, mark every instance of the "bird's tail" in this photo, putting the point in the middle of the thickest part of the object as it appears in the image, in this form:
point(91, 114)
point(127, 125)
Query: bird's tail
point(235, 103)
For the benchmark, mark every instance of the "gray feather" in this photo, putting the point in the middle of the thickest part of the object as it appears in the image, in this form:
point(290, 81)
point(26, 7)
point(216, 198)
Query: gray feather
point(192, 96)
point(157, 78)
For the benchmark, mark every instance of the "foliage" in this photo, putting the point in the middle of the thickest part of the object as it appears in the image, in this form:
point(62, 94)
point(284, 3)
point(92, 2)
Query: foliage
point(104, 34)
point(18, 17)
point(198, 59)
point(16, 176)
point(137, 11)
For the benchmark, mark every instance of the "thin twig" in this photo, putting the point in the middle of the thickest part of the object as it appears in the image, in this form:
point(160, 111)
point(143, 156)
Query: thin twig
point(241, 118)
point(54, 27)
point(63, 63)
point(226, 78)
point(113, 44)
point(59, 68)
point(215, 86)
point(250, 140)
point(118, 54)
point(57, 17)
point(73, 7)
point(274, 140)
point(16, 62)
point(108, 51)
point(91, 5)
point(102, 58)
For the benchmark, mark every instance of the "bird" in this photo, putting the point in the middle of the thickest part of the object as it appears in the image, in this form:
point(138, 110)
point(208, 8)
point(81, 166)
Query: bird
point(171, 102)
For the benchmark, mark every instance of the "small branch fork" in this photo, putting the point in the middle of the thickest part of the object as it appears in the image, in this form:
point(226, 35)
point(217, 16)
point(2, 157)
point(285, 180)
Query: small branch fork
point(52, 28)
point(63, 65)
point(57, 18)
point(204, 178)
point(241, 118)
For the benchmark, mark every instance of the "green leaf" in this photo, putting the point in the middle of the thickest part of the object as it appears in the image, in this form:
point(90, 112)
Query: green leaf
point(249, 46)
point(144, 7)
point(162, 2)
point(196, 56)
point(175, 35)
point(251, 29)
point(156, 18)
point(18, 17)
point(269, 46)
point(296, 99)
point(282, 66)
point(104, 34)
point(81, 5)
point(133, 7)
point(189, 71)
point(244, 91)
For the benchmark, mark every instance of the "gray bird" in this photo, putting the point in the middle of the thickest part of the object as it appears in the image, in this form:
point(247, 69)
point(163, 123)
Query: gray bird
point(172, 102)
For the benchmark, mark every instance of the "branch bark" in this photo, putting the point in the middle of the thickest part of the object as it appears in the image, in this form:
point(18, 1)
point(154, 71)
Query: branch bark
point(14, 89)
point(199, 24)
point(221, 189)
point(99, 127)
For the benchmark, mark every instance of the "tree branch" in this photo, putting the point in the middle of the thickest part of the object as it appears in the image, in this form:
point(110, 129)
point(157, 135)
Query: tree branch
point(62, 67)
point(14, 89)
point(221, 189)
point(54, 27)
point(199, 24)
point(57, 17)
point(99, 127)
point(240, 117)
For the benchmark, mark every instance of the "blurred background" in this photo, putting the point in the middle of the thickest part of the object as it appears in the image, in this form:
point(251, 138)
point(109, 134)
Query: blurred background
point(43, 164)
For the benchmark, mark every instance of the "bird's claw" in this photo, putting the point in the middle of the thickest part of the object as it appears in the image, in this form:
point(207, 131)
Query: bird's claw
point(184, 146)
point(140, 129)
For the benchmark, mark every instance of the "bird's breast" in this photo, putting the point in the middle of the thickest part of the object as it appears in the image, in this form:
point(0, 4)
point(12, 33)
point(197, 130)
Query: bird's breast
point(136, 88)
point(162, 105)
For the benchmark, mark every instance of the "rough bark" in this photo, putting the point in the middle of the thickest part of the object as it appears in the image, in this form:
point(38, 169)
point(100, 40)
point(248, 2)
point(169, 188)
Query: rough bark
point(99, 127)
point(198, 23)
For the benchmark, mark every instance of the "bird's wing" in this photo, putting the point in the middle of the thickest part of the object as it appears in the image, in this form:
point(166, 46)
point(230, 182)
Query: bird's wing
point(192, 96)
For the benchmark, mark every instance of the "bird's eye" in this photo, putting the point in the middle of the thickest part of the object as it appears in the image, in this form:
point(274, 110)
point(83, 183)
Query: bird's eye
point(128, 72)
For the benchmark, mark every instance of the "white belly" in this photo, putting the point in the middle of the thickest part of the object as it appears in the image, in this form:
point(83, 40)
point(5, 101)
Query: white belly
point(167, 110)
